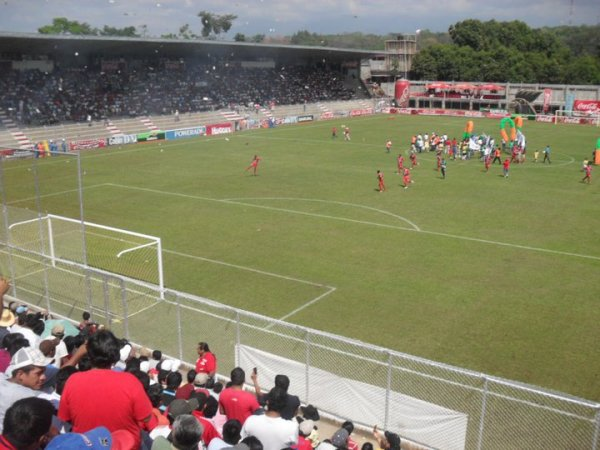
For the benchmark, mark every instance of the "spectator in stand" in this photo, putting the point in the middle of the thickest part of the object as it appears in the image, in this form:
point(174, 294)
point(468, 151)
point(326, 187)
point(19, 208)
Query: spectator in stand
point(212, 413)
point(231, 436)
point(292, 402)
point(272, 430)
point(206, 362)
point(27, 425)
point(185, 435)
point(58, 333)
point(156, 358)
point(26, 322)
point(11, 343)
point(173, 383)
point(349, 427)
point(305, 428)
point(184, 392)
point(118, 398)
point(97, 439)
point(389, 440)
point(24, 378)
point(236, 403)
point(175, 409)
point(210, 432)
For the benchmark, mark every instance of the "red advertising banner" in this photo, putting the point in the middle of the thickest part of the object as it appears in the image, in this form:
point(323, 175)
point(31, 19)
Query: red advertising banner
point(587, 106)
point(220, 128)
point(87, 143)
point(361, 112)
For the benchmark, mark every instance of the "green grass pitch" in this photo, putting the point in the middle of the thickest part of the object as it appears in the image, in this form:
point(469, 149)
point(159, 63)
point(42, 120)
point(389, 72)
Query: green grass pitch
point(492, 274)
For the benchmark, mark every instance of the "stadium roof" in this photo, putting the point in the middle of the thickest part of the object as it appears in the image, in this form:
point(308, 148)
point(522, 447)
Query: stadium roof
point(57, 46)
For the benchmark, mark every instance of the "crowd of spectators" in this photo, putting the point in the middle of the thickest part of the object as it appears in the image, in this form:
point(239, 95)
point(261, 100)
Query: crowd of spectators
point(33, 97)
point(83, 388)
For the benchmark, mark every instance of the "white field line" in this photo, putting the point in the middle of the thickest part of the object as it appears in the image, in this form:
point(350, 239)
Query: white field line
point(53, 194)
point(249, 269)
point(418, 230)
point(306, 305)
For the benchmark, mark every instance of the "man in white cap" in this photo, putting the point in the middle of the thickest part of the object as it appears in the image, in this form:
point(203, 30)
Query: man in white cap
point(23, 378)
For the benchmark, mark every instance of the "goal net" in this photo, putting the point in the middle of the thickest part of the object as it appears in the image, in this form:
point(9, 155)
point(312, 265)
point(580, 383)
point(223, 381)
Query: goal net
point(65, 241)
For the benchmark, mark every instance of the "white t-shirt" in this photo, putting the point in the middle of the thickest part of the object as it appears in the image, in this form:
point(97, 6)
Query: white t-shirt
point(275, 433)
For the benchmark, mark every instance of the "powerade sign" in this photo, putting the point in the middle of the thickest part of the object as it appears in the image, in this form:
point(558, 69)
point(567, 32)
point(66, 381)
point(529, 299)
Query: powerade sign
point(185, 133)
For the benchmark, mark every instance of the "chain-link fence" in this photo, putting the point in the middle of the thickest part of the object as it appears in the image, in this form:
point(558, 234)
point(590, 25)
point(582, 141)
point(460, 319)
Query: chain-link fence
point(429, 403)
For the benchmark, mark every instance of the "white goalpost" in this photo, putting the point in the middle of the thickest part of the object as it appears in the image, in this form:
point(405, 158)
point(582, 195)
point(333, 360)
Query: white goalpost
point(135, 256)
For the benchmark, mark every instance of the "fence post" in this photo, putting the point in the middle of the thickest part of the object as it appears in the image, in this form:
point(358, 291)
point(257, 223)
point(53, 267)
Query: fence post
point(7, 230)
point(596, 431)
point(483, 411)
point(388, 391)
point(179, 330)
point(238, 337)
point(307, 367)
point(125, 310)
point(107, 315)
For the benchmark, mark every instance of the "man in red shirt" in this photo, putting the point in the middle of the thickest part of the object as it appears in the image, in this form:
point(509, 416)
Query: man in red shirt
point(413, 159)
point(253, 165)
point(206, 362)
point(103, 397)
point(234, 401)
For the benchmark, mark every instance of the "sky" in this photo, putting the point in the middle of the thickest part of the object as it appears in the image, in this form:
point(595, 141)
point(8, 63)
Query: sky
point(285, 17)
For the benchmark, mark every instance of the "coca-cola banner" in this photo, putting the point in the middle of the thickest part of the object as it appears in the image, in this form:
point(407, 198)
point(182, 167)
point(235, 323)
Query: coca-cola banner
point(586, 107)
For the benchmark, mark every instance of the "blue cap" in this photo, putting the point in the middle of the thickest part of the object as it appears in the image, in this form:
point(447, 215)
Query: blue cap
point(96, 439)
point(21, 309)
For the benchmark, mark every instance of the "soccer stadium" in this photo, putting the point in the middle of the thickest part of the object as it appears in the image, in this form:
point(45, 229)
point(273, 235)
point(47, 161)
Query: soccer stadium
point(417, 255)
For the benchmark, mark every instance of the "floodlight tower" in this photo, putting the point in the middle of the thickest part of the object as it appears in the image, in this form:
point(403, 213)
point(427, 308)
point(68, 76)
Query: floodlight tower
point(571, 11)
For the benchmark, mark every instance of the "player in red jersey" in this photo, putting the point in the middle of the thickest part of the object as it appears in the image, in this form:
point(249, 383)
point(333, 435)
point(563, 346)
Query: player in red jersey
point(400, 163)
point(487, 161)
point(254, 164)
point(588, 174)
point(406, 177)
point(380, 181)
point(333, 133)
point(413, 159)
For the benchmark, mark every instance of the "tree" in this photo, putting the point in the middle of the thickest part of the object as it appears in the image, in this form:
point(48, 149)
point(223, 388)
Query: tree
point(214, 24)
point(257, 38)
point(125, 32)
point(62, 25)
point(239, 37)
